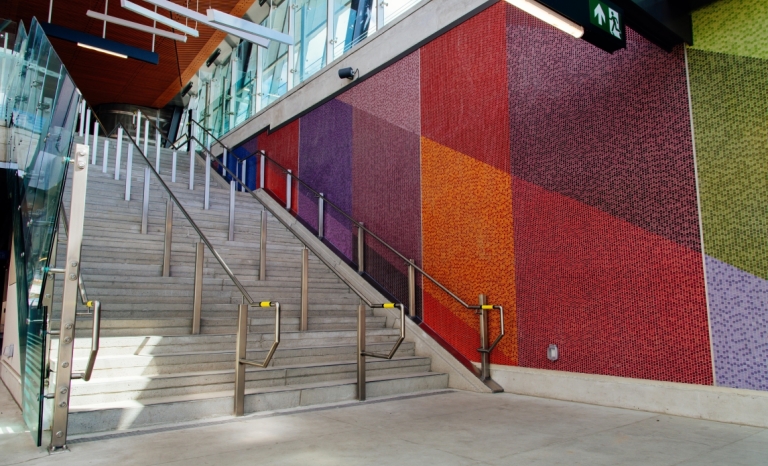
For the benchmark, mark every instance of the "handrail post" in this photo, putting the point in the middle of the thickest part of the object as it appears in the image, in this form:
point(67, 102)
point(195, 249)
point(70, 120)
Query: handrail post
point(157, 149)
point(304, 289)
point(361, 351)
point(320, 216)
point(72, 270)
point(241, 348)
point(263, 247)
point(288, 190)
point(87, 125)
point(146, 135)
point(197, 306)
point(81, 120)
point(95, 146)
point(261, 170)
point(411, 289)
point(232, 188)
point(485, 363)
point(145, 203)
point(128, 171)
point(207, 197)
point(173, 167)
point(360, 249)
point(191, 164)
point(168, 238)
point(105, 160)
point(118, 152)
point(138, 127)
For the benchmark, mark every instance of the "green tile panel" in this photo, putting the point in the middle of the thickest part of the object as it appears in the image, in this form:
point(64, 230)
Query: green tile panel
point(737, 27)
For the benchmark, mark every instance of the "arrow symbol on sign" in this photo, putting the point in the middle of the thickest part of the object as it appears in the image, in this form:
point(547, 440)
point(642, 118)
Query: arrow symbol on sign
point(600, 14)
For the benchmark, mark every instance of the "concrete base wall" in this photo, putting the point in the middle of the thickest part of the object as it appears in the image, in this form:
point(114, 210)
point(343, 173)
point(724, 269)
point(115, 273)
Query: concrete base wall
point(730, 405)
point(10, 369)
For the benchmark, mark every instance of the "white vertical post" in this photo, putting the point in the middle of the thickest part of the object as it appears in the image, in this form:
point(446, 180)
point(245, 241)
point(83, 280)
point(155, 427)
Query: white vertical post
point(242, 175)
point(206, 204)
point(138, 127)
point(81, 126)
point(192, 165)
point(232, 93)
point(261, 170)
point(146, 135)
point(259, 77)
point(119, 152)
point(95, 146)
point(380, 15)
point(291, 48)
point(106, 156)
point(157, 151)
point(128, 169)
point(232, 187)
point(330, 27)
point(87, 125)
point(173, 168)
point(288, 190)
point(145, 203)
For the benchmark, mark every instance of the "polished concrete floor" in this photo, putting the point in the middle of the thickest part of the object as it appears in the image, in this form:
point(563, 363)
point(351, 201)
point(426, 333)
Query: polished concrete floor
point(448, 428)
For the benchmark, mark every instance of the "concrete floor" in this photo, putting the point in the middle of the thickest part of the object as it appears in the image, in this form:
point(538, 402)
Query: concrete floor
point(449, 428)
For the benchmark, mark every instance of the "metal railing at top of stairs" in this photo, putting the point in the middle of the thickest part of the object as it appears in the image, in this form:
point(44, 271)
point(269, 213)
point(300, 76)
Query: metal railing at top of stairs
point(247, 301)
point(481, 309)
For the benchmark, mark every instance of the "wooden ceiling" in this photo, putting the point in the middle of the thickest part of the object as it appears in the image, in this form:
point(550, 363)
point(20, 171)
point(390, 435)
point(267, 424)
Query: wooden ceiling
point(106, 79)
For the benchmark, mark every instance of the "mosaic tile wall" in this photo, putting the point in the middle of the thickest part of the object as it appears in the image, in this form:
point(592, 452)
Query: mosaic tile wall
point(729, 91)
point(562, 183)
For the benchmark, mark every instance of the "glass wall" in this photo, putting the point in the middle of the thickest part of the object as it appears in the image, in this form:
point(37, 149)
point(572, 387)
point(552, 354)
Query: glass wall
point(252, 77)
point(41, 103)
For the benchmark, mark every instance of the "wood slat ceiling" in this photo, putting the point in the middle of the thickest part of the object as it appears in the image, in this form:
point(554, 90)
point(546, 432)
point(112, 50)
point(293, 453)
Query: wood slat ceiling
point(106, 79)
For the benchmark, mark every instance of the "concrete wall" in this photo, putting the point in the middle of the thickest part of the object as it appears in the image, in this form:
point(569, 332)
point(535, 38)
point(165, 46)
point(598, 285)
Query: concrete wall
point(10, 370)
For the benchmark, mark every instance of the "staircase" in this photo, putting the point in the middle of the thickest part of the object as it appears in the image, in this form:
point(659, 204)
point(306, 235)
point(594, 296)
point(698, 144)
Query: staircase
point(152, 370)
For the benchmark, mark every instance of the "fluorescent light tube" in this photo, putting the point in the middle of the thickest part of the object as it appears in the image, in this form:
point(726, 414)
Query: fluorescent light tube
point(137, 26)
point(90, 47)
point(221, 18)
point(548, 16)
point(140, 10)
point(201, 18)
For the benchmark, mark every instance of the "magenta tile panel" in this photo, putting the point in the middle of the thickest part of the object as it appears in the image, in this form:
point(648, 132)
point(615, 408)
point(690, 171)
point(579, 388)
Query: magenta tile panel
point(392, 94)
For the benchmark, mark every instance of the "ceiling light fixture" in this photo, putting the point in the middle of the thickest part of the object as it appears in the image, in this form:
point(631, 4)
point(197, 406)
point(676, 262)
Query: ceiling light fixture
point(139, 10)
point(137, 26)
point(201, 18)
point(550, 17)
point(99, 43)
point(90, 47)
point(223, 19)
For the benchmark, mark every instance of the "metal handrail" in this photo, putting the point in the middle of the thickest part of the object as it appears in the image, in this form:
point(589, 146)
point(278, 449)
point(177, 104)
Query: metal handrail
point(402, 331)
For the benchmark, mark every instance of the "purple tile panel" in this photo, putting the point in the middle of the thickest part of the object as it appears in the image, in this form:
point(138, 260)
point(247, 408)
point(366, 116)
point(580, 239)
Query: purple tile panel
point(386, 184)
point(612, 131)
point(738, 304)
point(392, 94)
point(325, 159)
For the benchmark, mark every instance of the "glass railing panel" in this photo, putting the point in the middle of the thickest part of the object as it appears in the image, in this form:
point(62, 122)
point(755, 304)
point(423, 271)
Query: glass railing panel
point(44, 119)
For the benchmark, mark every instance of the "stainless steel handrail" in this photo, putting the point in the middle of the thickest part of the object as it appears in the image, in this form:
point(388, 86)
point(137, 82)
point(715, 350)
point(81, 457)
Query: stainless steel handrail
point(402, 331)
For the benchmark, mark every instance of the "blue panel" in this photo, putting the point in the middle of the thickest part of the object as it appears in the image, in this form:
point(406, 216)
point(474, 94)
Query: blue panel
point(61, 32)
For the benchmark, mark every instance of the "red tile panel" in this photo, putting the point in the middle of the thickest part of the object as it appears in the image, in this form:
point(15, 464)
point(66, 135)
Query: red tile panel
point(283, 147)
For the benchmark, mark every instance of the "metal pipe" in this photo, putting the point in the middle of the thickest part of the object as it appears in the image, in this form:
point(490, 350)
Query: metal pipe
point(145, 203)
point(168, 238)
point(95, 146)
point(128, 170)
point(261, 170)
point(263, 247)
point(320, 216)
point(81, 121)
point(241, 347)
point(105, 160)
point(400, 339)
point(288, 190)
point(87, 125)
point(146, 135)
point(243, 176)
point(304, 289)
point(411, 289)
point(95, 341)
point(157, 149)
point(232, 190)
point(361, 351)
point(118, 152)
point(360, 249)
point(485, 363)
point(138, 127)
point(173, 167)
point(197, 306)
point(207, 196)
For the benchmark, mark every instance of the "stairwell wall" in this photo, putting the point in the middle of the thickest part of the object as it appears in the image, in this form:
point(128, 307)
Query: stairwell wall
point(569, 185)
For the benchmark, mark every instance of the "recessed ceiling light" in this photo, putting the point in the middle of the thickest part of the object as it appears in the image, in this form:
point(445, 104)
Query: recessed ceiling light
point(548, 16)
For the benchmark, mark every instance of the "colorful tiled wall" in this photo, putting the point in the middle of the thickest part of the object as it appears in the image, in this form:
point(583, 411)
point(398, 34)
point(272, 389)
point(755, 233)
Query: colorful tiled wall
point(729, 91)
point(510, 159)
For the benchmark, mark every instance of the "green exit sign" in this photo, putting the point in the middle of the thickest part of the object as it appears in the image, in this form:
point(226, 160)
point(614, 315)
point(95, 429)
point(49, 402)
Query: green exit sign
point(608, 17)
